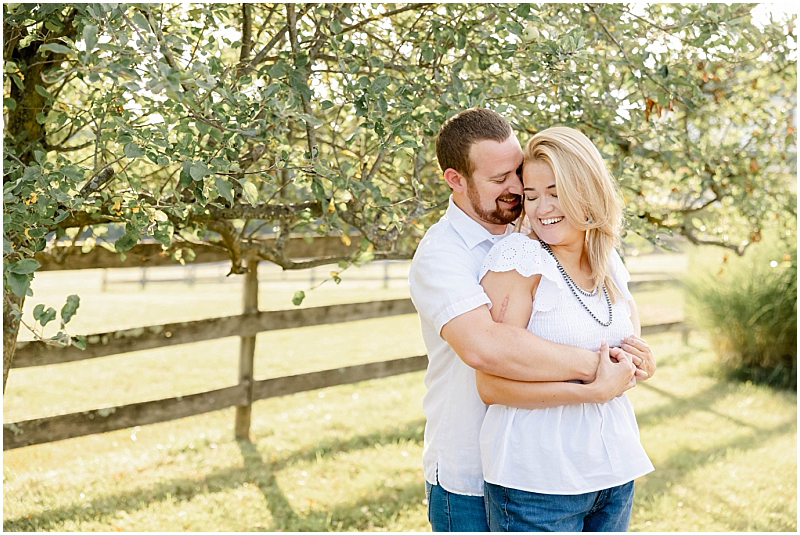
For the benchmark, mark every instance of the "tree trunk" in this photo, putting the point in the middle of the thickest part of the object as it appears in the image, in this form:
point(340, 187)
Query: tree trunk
point(10, 331)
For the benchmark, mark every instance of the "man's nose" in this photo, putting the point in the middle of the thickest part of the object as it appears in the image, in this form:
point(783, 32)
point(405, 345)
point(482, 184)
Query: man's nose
point(515, 187)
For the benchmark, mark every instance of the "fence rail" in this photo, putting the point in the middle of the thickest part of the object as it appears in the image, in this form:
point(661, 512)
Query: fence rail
point(170, 334)
point(78, 424)
point(50, 429)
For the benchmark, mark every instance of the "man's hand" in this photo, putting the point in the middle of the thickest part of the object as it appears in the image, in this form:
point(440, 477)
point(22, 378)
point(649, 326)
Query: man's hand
point(641, 355)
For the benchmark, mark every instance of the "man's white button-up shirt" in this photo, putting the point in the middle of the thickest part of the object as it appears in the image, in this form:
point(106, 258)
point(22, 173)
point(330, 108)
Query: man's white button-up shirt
point(444, 284)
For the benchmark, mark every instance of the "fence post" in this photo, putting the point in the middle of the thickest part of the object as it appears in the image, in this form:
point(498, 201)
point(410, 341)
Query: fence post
point(247, 349)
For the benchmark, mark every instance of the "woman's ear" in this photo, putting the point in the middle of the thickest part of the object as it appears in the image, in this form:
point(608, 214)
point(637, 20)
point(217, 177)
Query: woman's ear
point(455, 180)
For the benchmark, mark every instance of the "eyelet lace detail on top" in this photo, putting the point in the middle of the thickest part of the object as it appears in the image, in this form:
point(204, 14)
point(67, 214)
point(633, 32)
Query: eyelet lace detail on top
point(526, 256)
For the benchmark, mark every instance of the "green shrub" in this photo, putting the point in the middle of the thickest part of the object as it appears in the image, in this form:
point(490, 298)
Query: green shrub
point(749, 307)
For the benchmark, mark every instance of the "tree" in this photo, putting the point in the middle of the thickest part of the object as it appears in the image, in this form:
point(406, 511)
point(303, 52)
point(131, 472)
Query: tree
point(214, 125)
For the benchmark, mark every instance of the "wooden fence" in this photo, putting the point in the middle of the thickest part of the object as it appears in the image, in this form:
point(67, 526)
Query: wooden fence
point(246, 326)
point(217, 273)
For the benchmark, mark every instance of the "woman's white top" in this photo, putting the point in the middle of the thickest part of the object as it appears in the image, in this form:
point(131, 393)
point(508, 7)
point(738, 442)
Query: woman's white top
point(571, 449)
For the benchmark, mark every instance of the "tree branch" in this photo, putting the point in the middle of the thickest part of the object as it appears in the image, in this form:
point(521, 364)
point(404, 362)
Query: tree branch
point(212, 213)
point(100, 179)
point(310, 129)
point(384, 15)
point(247, 39)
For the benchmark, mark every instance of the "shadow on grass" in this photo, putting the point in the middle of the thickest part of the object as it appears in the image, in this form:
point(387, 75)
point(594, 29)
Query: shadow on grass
point(259, 472)
point(376, 510)
point(679, 406)
point(686, 460)
point(735, 518)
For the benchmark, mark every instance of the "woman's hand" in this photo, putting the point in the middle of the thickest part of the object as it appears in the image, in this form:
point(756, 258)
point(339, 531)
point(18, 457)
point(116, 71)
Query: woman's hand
point(615, 374)
point(641, 355)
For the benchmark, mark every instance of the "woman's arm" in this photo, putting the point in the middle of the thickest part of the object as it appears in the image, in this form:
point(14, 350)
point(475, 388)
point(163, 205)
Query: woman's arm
point(512, 302)
point(511, 295)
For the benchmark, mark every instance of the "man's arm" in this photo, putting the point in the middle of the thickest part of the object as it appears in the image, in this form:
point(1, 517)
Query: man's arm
point(508, 349)
point(613, 378)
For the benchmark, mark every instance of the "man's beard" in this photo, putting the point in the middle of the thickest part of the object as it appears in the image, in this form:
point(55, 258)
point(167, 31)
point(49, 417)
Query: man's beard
point(498, 216)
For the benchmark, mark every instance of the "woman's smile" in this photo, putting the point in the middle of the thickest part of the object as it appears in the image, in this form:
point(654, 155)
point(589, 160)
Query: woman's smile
point(551, 220)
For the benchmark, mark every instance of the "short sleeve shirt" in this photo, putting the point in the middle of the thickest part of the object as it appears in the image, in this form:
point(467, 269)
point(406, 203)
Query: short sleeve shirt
point(569, 449)
point(444, 284)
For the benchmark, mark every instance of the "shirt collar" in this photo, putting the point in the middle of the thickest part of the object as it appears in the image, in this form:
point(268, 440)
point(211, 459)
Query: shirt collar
point(472, 232)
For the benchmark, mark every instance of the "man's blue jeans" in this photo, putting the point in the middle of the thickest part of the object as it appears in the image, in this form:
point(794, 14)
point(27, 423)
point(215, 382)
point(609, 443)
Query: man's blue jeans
point(517, 510)
point(454, 512)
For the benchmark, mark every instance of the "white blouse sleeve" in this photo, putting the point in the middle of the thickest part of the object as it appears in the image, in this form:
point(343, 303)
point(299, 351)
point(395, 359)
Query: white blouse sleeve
point(526, 256)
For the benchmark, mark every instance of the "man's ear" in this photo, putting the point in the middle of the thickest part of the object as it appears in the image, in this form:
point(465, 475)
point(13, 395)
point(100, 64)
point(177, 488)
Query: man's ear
point(455, 180)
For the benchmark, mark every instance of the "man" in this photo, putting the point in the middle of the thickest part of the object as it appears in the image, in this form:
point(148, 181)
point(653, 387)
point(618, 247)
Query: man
point(480, 159)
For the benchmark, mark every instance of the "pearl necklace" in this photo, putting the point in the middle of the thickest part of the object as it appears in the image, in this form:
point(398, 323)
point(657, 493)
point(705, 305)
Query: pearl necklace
point(573, 287)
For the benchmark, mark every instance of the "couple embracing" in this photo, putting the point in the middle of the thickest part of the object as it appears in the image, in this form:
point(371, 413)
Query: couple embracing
point(532, 336)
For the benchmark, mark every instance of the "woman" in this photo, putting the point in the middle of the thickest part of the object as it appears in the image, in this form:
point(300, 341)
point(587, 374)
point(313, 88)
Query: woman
point(563, 456)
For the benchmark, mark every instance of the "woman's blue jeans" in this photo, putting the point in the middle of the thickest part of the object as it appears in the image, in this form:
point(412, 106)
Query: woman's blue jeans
point(517, 510)
point(454, 512)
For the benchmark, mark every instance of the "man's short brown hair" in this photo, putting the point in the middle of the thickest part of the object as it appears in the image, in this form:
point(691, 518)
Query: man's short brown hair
point(461, 131)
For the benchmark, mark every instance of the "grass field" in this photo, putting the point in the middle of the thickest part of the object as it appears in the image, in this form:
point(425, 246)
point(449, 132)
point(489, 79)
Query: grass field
point(349, 458)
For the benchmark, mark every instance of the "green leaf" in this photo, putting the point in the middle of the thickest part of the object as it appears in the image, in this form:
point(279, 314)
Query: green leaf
point(79, 342)
point(58, 49)
point(132, 150)
point(278, 70)
point(32, 172)
point(90, 37)
point(326, 104)
point(163, 233)
point(42, 91)
point(225, 188)
point(298, 297)
point(48, 316)
point(126, 242)
point(18, 82)
point(25, 266)
point(69, 309)
point(38, 310)
point(380, 83)
point(523, 10)
point(198, 170)
point(336, 26)
point(250, 193)
point(301, 60)
point(317, 190)
point(18, 283)
point(141, 21)
point(10, 103)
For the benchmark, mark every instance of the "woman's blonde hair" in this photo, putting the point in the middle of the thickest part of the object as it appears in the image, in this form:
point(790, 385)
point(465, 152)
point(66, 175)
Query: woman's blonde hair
point(587, 194)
